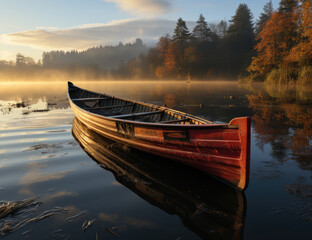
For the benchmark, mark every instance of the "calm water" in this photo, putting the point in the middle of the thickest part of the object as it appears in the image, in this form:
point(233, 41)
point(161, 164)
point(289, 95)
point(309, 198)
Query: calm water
point(120, 193)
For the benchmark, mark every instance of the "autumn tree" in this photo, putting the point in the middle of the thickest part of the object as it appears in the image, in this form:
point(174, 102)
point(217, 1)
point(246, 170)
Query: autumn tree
point(162, 48)
point(302, 52)
point(163, 45)
point(275, 41)
point(172, 64)
point(268, 53)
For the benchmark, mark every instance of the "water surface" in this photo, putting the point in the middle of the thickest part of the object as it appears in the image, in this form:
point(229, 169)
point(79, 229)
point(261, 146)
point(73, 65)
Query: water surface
point(132, 195)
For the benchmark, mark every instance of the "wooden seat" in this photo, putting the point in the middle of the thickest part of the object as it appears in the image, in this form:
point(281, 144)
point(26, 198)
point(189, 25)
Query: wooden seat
point(89, 99)
point(109, 107)
point(136, 114)
point(175, 121)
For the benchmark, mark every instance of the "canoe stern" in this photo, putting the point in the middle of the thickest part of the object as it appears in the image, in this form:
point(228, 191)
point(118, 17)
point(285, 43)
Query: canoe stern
point(244, 126)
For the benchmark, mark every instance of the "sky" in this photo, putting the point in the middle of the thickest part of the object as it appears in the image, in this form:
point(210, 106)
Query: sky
point(33, 26)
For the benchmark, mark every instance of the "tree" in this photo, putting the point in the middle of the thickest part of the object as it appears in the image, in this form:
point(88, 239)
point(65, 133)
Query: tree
point(22, 61)
point(287, 6)
point(181, 36)
point(181, 31)
point(162, 46)
point(242, 26)
point(171, 63)
point(222, 28)
point(275, 42)
point(201, 31)
point(302, 52)
point(265, 16)
point(239, 41)
point(268, 52)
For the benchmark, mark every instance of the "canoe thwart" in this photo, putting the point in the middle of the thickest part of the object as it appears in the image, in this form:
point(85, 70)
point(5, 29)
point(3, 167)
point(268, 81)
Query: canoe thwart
point(175, 121)
point(109, 107)
point(135, 114)
point(89, 99)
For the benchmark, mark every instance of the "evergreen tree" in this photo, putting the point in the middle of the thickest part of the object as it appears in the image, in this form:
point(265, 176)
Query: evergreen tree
point(287, 6)
point(181, 36)
point(201, 31)
point(242, 26)
point(240, 40)
point(265, 16)
point(181, 32)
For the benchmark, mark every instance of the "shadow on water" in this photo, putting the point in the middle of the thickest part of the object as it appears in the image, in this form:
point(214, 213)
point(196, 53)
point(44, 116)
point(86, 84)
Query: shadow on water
point(206, 206)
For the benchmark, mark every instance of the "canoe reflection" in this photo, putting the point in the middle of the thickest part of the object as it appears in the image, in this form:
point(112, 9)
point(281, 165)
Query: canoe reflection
point(206, 206)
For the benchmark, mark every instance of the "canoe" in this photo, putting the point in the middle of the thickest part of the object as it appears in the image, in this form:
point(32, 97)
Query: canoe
point(221, 150)
point(206, 206)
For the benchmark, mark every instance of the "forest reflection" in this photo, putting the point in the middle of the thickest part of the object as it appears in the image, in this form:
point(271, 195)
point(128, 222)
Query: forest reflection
point(282, 118)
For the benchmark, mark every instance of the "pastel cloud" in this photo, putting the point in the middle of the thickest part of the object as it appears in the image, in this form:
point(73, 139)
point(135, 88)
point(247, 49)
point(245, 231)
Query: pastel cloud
point(143, 7)
point(85, 36)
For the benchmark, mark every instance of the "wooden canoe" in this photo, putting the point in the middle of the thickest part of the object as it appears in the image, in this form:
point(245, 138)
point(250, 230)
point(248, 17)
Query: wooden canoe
point(206, 206)
point(221, 150)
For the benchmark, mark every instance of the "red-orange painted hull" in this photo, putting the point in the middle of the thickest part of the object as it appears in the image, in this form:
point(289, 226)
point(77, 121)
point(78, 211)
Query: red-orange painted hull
point(221, 150)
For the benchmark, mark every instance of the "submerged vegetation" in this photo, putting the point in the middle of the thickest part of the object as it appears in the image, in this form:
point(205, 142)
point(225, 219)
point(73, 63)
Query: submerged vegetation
point(277, 48)
point(16, 214)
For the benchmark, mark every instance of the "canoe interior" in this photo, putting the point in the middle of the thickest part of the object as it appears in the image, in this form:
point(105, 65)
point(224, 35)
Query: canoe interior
point(128, 110)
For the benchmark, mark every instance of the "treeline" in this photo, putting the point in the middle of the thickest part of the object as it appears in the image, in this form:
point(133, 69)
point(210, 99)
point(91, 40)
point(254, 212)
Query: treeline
point(101, 57)
point(276, 48)
point(284, 44)
point(91, 64)
point(209, 51)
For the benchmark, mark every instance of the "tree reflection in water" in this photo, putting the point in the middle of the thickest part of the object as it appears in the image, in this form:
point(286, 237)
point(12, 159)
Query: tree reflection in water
point(282, 117)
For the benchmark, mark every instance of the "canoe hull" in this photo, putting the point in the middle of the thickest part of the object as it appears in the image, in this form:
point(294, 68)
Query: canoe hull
point(221, 150)
point(207, 207)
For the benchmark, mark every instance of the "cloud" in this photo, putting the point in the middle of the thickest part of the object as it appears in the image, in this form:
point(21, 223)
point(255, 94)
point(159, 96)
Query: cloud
point(86, 36)
point(59, 195)
point(46, 28)
point(111, 218)
point(36, 177)
point(143, 7)
point(124, 221)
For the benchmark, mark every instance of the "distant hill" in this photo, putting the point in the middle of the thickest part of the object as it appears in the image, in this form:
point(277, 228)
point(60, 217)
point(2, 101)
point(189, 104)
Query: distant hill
point(106, 58)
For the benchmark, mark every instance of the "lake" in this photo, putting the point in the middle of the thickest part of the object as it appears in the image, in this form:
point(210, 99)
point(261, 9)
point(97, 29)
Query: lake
point(59, 180)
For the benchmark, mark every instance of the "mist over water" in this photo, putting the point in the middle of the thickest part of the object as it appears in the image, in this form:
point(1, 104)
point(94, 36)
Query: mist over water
point(75, 179)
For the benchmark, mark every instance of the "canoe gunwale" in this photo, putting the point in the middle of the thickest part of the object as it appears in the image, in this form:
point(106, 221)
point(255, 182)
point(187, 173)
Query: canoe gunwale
point(148, 124)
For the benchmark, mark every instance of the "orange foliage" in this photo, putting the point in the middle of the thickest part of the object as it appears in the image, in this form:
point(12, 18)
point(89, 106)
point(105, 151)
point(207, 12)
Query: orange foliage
point(303, 51)
point(169, 64)
point(286, 123)
point(170, 58)
point(274, 42)
point(160, 72)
